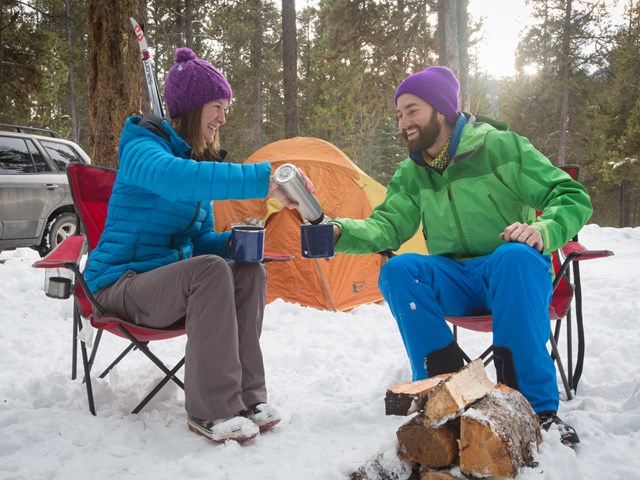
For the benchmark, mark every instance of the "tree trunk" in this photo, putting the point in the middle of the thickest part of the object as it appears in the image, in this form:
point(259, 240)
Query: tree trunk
point(290, 68)
point(72, 85)
point(188, 23)
point(448, 34)
point(463, 54)
point(566, 65)
point(256, 79)
point(454, 43)
point(624, 220)
point(115, 75)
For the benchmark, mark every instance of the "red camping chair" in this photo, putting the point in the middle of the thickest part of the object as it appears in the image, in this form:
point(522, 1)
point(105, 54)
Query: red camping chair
point(566, 304)
point(91, 188)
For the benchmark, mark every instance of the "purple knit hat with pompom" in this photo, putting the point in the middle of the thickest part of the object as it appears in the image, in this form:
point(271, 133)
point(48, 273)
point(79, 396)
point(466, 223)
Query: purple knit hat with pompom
point(437, 86)
point(192, 82)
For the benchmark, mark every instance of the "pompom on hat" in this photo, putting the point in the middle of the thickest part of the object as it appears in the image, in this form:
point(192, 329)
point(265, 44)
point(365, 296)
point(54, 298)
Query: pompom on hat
point(192, 82)
point(437, 86)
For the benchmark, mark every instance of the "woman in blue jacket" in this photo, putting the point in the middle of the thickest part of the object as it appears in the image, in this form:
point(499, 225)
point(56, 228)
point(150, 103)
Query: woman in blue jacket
point(159, 260)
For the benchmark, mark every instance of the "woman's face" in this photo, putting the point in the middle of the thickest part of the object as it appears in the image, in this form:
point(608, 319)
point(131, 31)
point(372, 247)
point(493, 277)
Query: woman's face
point(213, 115)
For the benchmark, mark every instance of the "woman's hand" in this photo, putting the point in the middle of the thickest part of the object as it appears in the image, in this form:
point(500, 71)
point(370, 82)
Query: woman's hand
point(278, 194)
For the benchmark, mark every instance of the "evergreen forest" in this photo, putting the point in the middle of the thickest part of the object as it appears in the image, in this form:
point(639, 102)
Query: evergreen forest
point(329, 69)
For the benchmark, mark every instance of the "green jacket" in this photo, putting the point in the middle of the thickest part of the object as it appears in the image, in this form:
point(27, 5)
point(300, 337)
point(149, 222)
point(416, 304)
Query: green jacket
point(495, 178)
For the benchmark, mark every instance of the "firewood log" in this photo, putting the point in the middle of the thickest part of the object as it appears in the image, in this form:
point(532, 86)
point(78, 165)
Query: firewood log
point(454, 473)
point(451, 396)
point(408, 398)
point(387, 465)
point(498, 434)
point(430, 446)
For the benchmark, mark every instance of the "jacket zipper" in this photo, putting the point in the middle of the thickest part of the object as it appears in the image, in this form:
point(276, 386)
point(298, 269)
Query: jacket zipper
point(457, 219)
point(497, 209)
point(193, 220)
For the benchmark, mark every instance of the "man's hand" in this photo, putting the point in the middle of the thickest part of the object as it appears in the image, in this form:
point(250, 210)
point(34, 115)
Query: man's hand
point(523, 233)
point(336, 233)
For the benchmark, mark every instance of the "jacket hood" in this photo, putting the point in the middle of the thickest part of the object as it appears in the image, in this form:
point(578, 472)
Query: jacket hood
point(154, 127)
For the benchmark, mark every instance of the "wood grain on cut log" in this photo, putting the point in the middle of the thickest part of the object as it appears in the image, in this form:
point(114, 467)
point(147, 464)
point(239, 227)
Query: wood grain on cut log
point(498, 434)
point(430, 446)
point(408, 398)
point(456, 392)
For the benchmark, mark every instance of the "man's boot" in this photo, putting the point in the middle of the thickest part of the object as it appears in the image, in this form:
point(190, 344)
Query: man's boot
point(446, 360)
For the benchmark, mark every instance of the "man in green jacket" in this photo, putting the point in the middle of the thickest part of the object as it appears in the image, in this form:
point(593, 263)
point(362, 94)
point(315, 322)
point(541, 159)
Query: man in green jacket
point(475, 190)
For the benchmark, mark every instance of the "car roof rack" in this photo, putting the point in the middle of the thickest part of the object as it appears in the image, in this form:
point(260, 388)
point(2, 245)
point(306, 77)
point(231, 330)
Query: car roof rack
point(22, 129)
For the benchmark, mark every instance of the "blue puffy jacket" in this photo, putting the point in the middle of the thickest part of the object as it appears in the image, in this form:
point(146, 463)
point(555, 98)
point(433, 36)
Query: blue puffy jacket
point(160, 209)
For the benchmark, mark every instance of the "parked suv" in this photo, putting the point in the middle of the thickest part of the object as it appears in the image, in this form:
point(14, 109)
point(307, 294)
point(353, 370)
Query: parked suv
point(36, 208)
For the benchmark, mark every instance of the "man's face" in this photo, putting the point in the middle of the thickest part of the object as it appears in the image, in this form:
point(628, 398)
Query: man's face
point(418, 122)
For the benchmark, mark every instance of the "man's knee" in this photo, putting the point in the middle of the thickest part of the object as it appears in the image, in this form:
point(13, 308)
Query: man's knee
point(399, 266)
point(515, 253)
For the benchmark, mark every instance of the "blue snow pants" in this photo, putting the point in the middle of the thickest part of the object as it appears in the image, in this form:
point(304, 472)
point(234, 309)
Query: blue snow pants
point(513, 284)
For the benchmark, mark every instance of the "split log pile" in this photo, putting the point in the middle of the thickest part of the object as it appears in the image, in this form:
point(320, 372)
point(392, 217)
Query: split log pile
point(466, 426)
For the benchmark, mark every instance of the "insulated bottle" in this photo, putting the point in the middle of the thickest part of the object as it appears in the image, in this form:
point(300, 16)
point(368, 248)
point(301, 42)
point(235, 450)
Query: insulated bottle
point(292, 184)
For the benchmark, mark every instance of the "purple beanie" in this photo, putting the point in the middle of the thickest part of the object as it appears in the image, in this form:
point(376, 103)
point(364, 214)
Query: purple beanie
point(192, 82)
point(437, 86)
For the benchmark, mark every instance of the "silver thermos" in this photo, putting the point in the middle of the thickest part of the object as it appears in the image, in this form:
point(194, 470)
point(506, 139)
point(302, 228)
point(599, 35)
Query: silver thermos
point(293, 186)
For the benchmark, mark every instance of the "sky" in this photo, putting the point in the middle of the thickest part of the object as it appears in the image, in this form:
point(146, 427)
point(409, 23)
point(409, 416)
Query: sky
point(327, 374)
point(503, 22)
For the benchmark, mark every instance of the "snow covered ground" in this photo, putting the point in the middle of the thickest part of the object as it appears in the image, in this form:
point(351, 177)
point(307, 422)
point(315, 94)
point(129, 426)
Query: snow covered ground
point(327, 373)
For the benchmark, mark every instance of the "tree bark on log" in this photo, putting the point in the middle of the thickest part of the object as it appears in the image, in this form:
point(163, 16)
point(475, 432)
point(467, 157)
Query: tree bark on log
point(408, 398)
point(387, 465)
point(498, 434)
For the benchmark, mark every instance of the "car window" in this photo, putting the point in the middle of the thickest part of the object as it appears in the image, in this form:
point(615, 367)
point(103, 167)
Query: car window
point(41, 164)
point(15, 156)
point(60, 153)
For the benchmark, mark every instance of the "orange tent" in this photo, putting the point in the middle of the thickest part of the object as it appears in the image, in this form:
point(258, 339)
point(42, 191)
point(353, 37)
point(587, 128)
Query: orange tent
point(340, 283)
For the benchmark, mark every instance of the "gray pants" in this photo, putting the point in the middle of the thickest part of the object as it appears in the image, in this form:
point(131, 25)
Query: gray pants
point(223, 304)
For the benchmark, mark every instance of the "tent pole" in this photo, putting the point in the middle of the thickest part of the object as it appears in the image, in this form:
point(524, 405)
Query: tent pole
point(324, 285)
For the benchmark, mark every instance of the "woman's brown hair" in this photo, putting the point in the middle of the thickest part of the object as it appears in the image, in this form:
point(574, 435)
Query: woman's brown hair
point(187, 125)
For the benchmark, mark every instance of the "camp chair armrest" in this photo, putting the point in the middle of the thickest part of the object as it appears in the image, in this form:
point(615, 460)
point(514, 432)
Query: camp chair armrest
point(575, 251)
point(66, 255)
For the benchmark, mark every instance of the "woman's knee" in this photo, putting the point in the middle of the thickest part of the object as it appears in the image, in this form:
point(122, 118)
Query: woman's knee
point(210, 267)
point(254, 273)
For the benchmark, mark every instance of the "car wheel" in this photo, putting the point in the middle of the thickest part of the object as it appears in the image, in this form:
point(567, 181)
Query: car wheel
point(63, 226)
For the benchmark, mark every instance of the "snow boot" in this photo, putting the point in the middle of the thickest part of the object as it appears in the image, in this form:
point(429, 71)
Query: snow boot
point(568, 435)
point(238, 428)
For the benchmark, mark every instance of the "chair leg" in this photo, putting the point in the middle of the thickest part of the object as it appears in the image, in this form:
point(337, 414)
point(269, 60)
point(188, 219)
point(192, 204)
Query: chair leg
point(144, 349)
point(558, 360)
point(157, 388)
point(94, 349)
point(577, 373)
point(487, 355)
point(74, 343)
point(87, 378)
point(117, 360)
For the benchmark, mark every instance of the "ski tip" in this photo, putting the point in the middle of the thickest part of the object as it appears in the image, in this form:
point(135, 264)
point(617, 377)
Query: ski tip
point(137, 29)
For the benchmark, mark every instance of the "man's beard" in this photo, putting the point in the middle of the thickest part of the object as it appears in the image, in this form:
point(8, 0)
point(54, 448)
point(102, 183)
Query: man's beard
point(427, 134)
